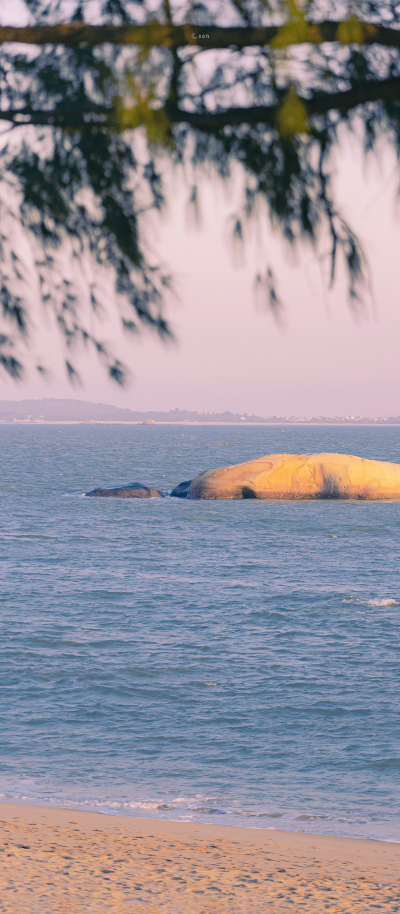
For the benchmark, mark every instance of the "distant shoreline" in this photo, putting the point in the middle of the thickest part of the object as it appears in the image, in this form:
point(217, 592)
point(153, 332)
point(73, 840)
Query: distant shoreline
point(378, 423)
point(54, 411)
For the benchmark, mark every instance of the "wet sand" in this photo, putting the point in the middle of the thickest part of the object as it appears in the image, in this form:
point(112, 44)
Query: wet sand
point(61, 861)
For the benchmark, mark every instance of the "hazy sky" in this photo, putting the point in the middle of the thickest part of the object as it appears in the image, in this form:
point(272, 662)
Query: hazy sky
point(230, 354)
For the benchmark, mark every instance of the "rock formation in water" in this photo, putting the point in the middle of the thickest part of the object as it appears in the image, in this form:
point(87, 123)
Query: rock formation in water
point(132, 490)
point(298, 476)
point(181, 490)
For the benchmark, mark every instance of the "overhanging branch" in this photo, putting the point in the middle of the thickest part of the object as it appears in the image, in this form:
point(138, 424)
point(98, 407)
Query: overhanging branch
point(79, 117)
point(371, 91)
point(157, 34)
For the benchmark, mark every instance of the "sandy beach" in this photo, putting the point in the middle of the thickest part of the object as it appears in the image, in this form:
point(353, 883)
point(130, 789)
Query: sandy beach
point(65, 861)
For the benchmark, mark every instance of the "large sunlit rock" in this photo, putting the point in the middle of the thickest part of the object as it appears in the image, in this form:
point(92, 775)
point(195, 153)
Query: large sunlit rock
point(300, 476)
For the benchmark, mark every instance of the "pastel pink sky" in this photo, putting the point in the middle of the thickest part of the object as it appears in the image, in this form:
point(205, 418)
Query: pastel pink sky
point(229, 353)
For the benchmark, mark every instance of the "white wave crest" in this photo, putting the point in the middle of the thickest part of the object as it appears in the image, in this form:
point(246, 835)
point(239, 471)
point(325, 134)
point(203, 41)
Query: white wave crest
point(388, 601)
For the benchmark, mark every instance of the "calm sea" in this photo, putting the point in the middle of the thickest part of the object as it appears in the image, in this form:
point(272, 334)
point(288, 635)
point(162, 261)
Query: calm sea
point(228, 662)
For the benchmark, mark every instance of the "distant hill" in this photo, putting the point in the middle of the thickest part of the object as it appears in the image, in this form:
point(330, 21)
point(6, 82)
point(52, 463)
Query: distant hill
point(52, 410)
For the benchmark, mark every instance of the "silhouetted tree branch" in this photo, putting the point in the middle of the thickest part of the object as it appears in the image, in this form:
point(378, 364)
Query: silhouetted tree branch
point(265, 85)
point(164, 34)
point(87, 117)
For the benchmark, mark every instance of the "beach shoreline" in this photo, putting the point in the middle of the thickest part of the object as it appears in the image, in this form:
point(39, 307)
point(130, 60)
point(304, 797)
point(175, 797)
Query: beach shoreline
point(73, 861)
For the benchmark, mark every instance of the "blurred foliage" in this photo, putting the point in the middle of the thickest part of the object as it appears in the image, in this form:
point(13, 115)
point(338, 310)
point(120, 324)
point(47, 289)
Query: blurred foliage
point(96, 95)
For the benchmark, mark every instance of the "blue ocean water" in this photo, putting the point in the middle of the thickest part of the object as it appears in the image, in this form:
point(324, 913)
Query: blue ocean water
point(230, 662)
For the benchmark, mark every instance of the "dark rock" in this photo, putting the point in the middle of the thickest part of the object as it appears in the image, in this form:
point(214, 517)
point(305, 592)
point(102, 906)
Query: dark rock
point(181, 491)
point(132, 490)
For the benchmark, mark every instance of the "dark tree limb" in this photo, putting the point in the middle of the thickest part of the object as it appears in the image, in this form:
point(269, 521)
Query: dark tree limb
point(369, 91)
point(154, 33)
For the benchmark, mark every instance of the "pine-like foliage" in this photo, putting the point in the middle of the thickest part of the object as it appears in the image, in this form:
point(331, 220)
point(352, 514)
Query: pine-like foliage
point(95, 95)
